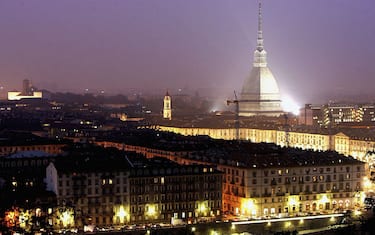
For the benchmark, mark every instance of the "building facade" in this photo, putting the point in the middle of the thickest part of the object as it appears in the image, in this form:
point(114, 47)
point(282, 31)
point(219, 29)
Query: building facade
point(270, 184)
point(125, 192)
point(353, 144)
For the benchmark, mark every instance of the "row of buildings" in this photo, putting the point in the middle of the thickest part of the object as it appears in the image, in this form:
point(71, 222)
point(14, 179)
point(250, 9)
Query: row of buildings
point(87, 186)
point(262, 180)
point(160, 177)
point(358, 143)
point(119, 190)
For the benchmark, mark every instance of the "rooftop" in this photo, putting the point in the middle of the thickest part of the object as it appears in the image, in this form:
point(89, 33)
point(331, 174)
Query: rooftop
point(243, 154)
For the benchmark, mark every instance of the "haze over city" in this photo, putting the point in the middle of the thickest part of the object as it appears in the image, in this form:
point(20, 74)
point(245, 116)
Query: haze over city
point(169, 117)
point(316, 49)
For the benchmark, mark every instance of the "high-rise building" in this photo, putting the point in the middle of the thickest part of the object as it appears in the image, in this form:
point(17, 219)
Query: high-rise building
point(337, 114)
point(167, 110)
point(27, 88)
point(260, 92)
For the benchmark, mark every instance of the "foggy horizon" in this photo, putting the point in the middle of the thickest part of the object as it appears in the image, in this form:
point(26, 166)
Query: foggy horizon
point(318, 50)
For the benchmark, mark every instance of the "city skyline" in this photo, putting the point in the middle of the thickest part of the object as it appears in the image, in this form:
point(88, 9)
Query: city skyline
point(315, 47)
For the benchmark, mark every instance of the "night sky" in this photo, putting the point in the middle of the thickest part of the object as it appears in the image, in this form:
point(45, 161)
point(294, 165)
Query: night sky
point(316, 48)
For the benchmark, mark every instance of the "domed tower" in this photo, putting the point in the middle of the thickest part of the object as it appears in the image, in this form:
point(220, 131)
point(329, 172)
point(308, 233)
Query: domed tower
point(260, 92)
point(167, 110)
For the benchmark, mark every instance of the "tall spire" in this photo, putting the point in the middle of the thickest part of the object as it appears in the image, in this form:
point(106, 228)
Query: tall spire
point(260, 55)
point(260, 31)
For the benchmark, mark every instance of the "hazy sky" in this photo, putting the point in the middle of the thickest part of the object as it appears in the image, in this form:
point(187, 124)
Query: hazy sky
point(314, 47)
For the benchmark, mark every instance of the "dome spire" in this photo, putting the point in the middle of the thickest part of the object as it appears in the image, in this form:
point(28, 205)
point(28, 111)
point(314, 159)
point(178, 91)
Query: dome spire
point(260, 31)
point(260, 55)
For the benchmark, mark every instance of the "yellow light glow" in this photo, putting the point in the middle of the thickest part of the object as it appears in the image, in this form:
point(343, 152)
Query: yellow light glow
point(202, 207)
point(324, 199)
point(248, 207)
point(293, 200)
point(66, 218)
point(213, 232)
point(233, 226)
point(121, 213)
point(151, 210)
point(357, 213)
point(366, 183)
point(269, 223)
point(288, 224)
point(193, 229)
point(301, 221)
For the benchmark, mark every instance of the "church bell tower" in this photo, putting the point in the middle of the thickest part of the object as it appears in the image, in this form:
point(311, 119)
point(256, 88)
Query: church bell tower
point(167, 110)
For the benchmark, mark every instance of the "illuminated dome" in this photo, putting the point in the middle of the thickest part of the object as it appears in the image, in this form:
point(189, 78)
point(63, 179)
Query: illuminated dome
point(260, 93)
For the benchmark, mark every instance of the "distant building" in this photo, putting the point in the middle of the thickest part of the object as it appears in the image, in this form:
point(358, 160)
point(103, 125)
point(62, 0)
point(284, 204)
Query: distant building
point(14, 142)
point(167, 108)
point(260, 92)
point(333, 114)
point(28, 92)
point(311, 115)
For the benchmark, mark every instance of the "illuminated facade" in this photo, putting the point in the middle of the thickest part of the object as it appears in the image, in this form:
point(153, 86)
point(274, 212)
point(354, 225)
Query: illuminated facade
point(349, 145)
point(260, 92)
point(260, 191)
point(115, 194)
point(167, 194)
point(290, 184)
point(28, 92)
point(17, 95)
point(337, 114)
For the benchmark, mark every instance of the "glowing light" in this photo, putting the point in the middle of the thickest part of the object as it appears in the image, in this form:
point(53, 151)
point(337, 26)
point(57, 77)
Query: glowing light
point(290, 105)
point(288, 219)
point(248, 206)
point(213, 232)
point(66, 218)
point(324, 199)
point(366, 183)
point(357, 213)
point(151, 210)
point(233, 226)
point(301, 221)
point(193, 229)
point(293, 200)
point(121, 213)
